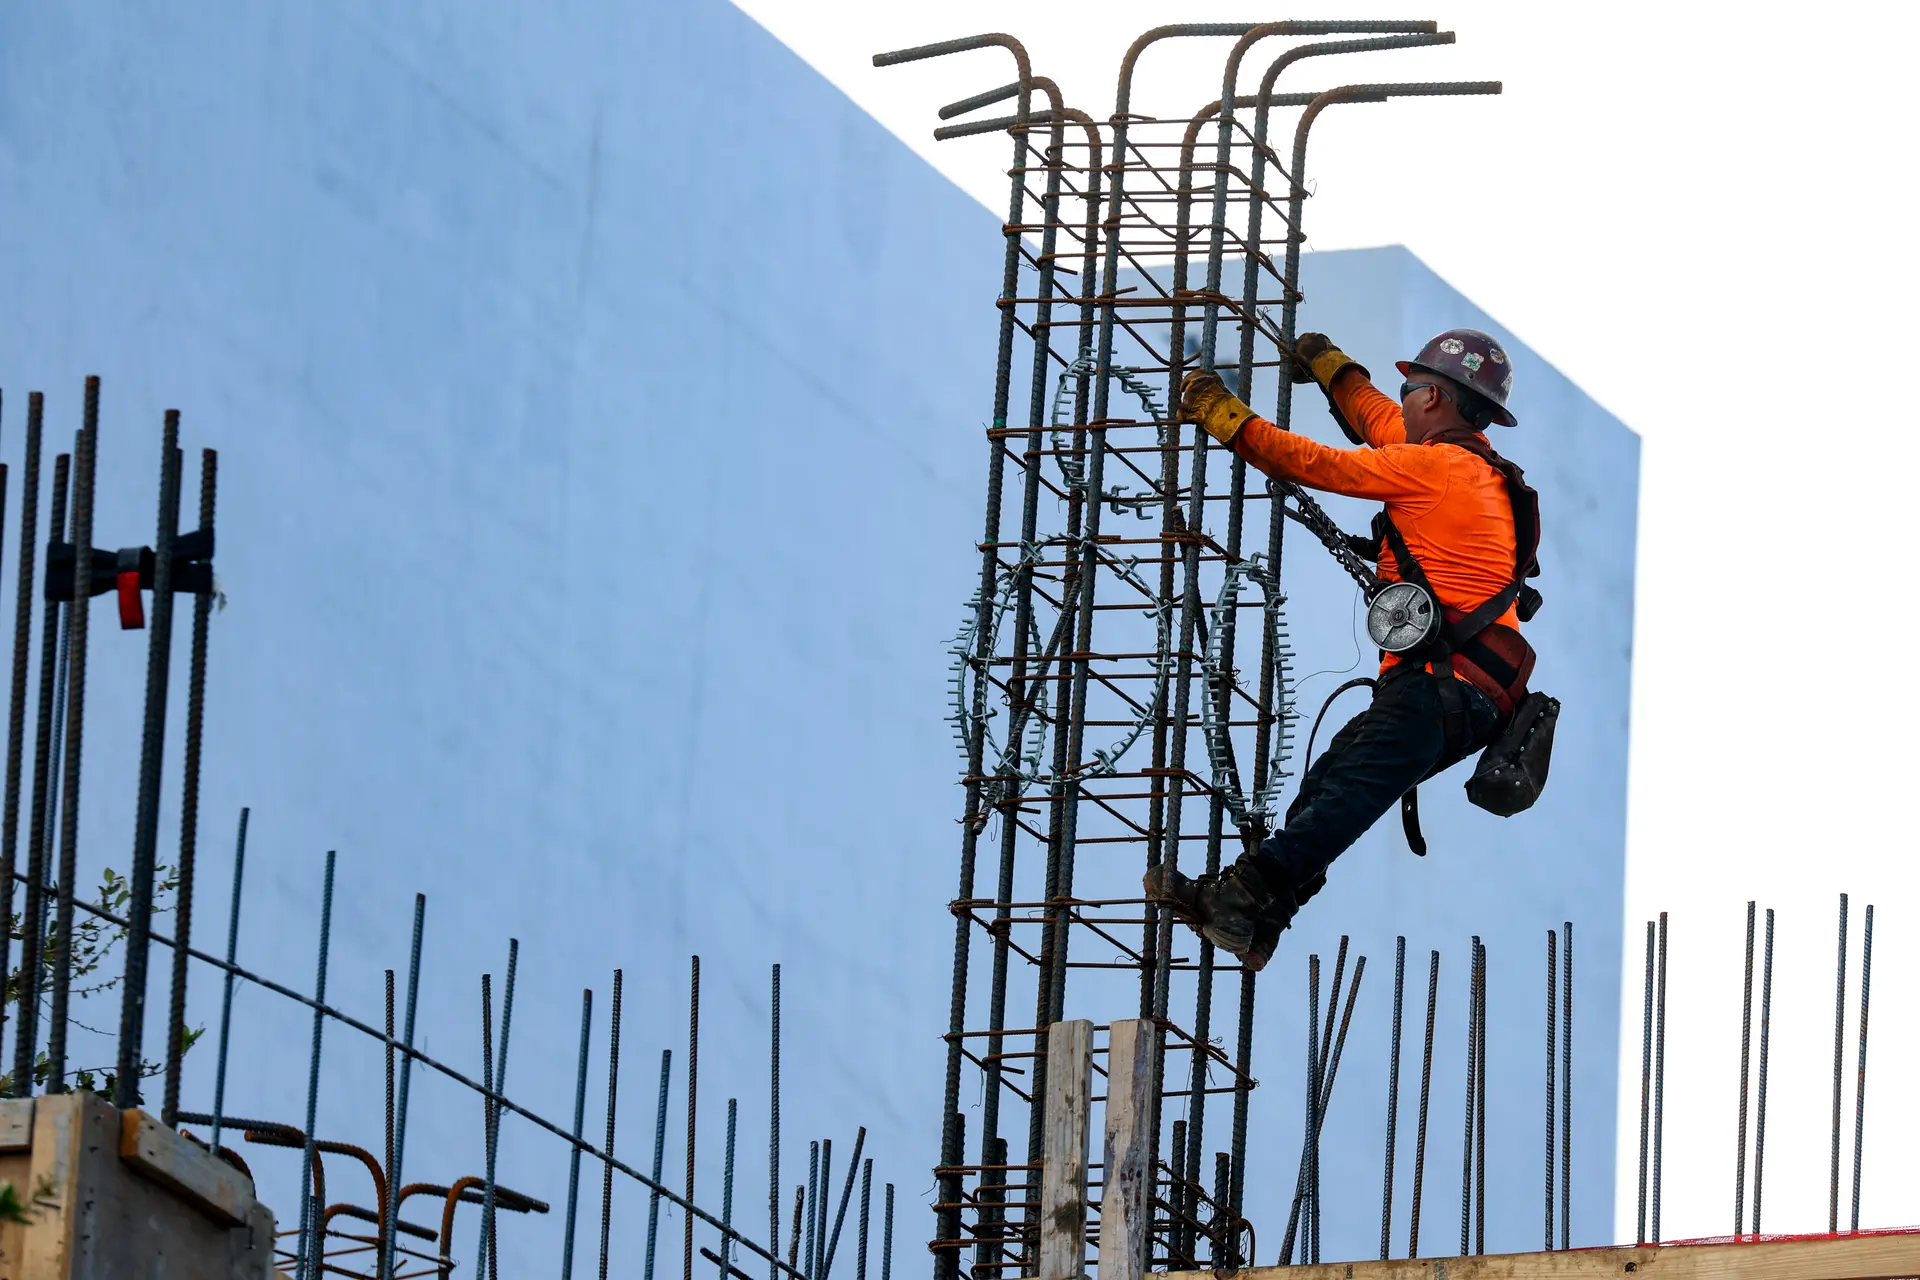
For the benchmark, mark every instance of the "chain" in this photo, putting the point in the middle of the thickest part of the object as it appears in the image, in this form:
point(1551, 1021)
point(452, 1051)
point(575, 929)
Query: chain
point(1321, 526)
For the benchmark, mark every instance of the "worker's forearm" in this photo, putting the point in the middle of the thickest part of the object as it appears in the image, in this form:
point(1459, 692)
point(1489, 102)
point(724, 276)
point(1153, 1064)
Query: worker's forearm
point(1367, 409)
point(1358, 473)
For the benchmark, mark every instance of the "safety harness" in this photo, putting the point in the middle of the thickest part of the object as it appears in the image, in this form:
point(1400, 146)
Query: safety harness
point(1473, 644)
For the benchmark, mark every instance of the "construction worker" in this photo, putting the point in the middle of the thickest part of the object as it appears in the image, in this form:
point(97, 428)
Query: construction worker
point(1450, 509)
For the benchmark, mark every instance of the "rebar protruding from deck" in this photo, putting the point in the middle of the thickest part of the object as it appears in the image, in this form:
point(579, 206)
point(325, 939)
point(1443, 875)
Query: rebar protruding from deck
point(390, 1235)
point(310, 1227)
point(1659, 1073)
point(1553, 1017)
point(1393, 1094)
point(1566, 1090)
point(1760, 1084)
point(1426, 1091)
point(773, 1134)
point(86, 449)
point(659, 1160)
point(146, 822)
point(1746, 1043)
point(1839, 1062)
point(1646, 1089)
point(613, 1111)
point(1473, 1075)
point(1860, 1064)
point(579, 1123)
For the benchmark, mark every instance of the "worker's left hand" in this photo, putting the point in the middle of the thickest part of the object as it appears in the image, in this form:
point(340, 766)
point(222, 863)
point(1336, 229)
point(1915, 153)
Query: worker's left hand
point(1316, 359)
point(1205, 400)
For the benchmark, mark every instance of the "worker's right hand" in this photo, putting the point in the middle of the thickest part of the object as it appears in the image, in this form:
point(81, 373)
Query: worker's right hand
point(1316, 359)
point(1205, 400)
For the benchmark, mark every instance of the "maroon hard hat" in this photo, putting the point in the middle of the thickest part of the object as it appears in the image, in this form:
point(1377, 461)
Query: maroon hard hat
point(1475, 361)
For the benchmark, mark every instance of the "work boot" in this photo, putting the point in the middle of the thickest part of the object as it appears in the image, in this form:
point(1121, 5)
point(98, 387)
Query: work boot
point(1273, 922)
point(1225, 908)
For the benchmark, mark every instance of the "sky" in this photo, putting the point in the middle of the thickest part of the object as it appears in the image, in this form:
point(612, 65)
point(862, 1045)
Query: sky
point(1700, 214)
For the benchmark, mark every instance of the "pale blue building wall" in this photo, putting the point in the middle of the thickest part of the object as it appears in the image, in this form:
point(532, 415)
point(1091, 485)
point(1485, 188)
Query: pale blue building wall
point(598, 394)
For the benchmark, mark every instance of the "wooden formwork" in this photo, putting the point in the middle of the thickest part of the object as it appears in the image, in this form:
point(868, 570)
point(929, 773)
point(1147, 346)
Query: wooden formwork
point(110, 1193)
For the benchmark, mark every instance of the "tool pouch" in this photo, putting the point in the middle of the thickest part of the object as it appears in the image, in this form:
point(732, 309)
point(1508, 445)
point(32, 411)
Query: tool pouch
point(1513, 769)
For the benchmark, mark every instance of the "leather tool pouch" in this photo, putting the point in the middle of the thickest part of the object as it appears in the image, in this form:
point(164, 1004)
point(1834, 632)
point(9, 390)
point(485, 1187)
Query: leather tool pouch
point(1512, 771)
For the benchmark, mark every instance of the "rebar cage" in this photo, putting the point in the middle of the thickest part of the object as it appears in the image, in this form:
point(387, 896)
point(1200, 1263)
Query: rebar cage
point(1128, 572)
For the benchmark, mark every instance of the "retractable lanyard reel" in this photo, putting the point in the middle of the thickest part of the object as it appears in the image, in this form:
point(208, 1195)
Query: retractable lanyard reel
point(1401, 616)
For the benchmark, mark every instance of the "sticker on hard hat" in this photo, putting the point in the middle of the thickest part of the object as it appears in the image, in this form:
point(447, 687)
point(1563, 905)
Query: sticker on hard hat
point(1472, 361)
point(1452, 346)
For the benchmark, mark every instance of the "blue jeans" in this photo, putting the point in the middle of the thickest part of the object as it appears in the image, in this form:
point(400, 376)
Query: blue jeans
point(1395, 744)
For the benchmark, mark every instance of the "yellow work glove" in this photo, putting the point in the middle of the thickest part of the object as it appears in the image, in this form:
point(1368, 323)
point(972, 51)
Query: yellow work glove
point(1205, 400)
point(1315, 359)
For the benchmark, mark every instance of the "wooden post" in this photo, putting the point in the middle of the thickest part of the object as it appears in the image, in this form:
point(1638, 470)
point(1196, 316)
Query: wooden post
point(1063, 1172)
point(1124, 1207)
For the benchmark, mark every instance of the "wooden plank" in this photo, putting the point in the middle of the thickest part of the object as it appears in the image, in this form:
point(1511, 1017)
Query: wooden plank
point(16, 1125)
point(210, 1184)
point(1889, 1256)
point(1063, 1175)
point(1126, 1148)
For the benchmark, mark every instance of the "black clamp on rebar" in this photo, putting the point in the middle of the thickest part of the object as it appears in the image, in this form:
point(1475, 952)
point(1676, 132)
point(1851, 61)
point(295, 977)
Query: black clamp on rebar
point(129, 571)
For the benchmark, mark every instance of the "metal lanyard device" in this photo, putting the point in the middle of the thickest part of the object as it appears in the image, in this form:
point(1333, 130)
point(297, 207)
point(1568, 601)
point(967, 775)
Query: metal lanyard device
point(1401, 616)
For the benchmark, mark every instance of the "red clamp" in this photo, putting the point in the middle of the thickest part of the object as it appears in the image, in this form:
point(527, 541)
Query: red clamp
point(127, 569)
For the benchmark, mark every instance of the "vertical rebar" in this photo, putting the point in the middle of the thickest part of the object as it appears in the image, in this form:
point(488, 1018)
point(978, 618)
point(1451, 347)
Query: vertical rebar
point(1659, 1073)
point(886, 1238)
point(1466, 1131)
point(33, 910)
point(793, 1240)
point(1313, 1116)
point(846, 1197)
point(489, 1249)
point(146, 822)
point(388, 1236)
point(1393, 1094)
point(312, 1228)
point(486, 1105)
point(1860, 1083)
point(1746, 1043)
point(813, 1205)
point(693, 1102)
point(76, 643)
point(659, 1161)
point(1646, 1089)
point(726, 1189)
point(613, 1110)
point(1243, 1075)
point(227, 998)
point(1553, 1021)
point(1839, 1062)
point(1760, 1085)
point(1426, 1089)
point(773, 1140)
point(866, 1201)
point(386, 1152)
point(823, 1194)
point(1480, 1107)
point(1566, 1091)
point(579, 1127)
point(190, 805)
point(1178, 1252)
point(17, 696)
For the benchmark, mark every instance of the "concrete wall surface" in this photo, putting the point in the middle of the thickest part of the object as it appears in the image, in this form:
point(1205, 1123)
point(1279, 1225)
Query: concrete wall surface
point(598, 395)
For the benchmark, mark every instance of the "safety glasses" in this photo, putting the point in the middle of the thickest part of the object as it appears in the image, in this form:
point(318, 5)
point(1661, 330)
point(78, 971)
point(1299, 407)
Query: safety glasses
point(1408, 388)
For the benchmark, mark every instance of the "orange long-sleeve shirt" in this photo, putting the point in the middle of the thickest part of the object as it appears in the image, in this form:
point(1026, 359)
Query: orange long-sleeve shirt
point(1450, 506)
